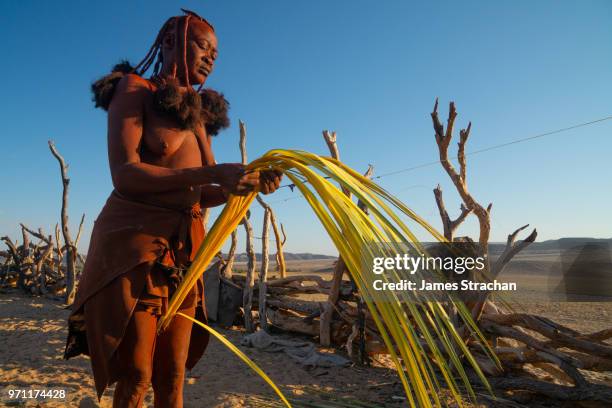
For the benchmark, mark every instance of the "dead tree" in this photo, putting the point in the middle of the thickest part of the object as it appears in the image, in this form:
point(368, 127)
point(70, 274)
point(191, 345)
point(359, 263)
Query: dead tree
point(280, 241)
point(31, 267)
point(269, 218)
point(263, 272)
point(469, 205)
point(325, 337)
point(71, 250)
point(359, 327)
point(459, 179)
point(42, 268)
point(247, 298)
point(517, 338)
point(340, 267)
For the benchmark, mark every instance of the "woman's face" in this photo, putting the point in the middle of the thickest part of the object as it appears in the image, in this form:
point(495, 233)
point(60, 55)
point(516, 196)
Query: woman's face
point(201, 51)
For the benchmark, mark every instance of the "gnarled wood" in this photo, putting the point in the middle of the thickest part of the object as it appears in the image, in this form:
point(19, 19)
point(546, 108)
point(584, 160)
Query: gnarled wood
point(70, 247)
point(250, 277)
point(263, 274)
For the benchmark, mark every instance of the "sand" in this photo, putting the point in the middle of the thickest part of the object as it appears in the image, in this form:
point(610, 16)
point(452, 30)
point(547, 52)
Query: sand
point(33, 331)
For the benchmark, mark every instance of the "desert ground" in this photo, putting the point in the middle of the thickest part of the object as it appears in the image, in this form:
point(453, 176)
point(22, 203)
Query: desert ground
point(33, 331)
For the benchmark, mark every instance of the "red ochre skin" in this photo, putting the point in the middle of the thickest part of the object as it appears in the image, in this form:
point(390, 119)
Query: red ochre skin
point(153, 161)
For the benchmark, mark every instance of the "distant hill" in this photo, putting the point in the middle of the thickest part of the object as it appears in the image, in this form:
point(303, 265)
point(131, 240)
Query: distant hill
point(289, 256)
point(554, 244)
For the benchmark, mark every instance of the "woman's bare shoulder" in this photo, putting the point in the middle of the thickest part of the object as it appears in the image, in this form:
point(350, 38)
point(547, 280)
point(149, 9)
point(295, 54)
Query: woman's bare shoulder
point(132, 92)
point(132, 82)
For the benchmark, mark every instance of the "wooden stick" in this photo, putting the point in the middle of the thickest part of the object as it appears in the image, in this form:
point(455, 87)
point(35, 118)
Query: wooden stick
point(449, 225)
point(281, 266)
point(553, 331)
point(340, 267)
point(58, 249)
point(247, 298)
point(12, 249)
point(361, 306)
point(227, 270)
point(35, 234)
point(512, 249)
point(596, 393)
point(368, 175)
point(79, 232)
point(263, 272)
point(280, 258)
point(300, 278)
point(42, 278)
point(70, 248)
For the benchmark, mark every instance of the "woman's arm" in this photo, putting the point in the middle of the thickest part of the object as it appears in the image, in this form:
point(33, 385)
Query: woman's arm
point(212, 196)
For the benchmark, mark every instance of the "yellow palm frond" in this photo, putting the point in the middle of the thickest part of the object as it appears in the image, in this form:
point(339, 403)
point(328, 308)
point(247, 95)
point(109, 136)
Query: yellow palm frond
point(420, 337)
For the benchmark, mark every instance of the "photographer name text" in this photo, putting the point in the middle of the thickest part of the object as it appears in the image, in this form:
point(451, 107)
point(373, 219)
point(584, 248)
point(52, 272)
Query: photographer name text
point(457, 265)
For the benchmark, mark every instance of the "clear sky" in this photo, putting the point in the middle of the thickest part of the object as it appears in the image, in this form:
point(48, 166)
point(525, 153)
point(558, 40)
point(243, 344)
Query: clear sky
point(369, 70)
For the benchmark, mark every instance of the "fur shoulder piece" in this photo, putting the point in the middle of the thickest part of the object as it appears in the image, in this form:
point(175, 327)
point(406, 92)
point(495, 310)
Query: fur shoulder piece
point(187, 108)
point(182, 106)
point(104, 88)
point(214, 111)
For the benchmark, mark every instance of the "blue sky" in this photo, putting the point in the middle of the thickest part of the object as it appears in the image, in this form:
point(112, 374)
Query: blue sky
point(369, 70)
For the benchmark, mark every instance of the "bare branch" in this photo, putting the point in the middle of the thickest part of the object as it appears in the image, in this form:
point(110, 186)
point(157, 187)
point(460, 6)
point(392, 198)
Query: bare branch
point(330, 140)
point(438, 127)
point(463, 137)
point(368, 174)
point(512, 249)
point(263, 272)
point(247, 297)
point(590, 393)
point(42, 279)
point(449, 225)
point(229, 264)
point(35, 234)
point(547, 328)
point(80, 231)
point(243, 151)
point(450, 123)
point(71, 250)
point(471, 204)
point(281, 266)
point(12, 249)
point(328, 310)
point(283, 232)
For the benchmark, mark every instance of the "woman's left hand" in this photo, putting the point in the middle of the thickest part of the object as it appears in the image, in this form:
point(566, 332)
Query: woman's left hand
point(269, 180)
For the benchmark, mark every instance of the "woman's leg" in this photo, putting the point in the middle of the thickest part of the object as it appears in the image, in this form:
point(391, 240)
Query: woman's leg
point(135, 358)
point(171, 353)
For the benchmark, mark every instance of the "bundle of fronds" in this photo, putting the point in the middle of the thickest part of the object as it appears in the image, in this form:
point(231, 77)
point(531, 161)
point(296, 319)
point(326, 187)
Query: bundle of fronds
point(420, 336)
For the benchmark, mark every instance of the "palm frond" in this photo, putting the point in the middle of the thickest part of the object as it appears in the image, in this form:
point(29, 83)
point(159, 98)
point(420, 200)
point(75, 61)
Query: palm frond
point(414, 326)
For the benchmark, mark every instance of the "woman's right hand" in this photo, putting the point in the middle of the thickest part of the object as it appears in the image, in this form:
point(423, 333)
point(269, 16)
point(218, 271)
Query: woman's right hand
point(234, 178)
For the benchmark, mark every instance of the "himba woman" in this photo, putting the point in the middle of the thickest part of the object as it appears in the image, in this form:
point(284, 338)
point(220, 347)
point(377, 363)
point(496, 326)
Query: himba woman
point(163, 172)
